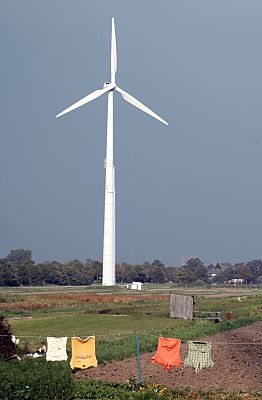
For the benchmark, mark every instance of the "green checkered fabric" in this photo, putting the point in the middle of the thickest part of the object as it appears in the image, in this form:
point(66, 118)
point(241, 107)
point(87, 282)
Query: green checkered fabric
point(199, 356)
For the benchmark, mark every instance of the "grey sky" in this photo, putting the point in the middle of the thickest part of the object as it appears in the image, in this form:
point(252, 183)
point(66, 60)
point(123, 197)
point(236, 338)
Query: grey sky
point(192, 188)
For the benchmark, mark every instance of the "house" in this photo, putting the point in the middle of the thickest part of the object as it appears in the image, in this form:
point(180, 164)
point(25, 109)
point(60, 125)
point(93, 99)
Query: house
point(136, 285)
point(236, 281)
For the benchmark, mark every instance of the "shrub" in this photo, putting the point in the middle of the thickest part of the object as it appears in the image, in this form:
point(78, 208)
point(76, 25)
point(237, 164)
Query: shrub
point(33, 379)
point(7, 347)
point(98, 390)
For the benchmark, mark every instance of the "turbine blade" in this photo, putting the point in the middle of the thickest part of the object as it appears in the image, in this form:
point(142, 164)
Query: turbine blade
point(86, 99)
point(113, 53)
point(130, 99)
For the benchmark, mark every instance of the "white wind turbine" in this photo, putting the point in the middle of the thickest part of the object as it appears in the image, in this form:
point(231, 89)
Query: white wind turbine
point(109, 213)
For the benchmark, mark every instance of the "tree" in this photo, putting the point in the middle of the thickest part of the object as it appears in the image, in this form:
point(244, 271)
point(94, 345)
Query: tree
point(37, 275)
point(201, 273)
point(245, 273)
point(139, 273)
point(156, 275)
point(19, 256)
point(228, 273)
point(93, 269)
point(23, 272)
point(8, 274)
point(169, 273)
point(192, 264)
point(181, 275)
point(77, 274)
point(196, 269)
point(157, 263)
point(255, 267)
point(122, 273)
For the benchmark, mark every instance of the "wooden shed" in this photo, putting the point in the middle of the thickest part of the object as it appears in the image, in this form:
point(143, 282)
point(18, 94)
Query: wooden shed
point(181, 306)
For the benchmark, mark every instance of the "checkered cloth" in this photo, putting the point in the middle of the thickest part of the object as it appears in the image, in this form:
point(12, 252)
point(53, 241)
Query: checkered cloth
point(199, 356)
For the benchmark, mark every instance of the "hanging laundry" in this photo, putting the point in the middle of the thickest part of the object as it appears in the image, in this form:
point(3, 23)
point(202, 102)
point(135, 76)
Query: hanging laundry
point(56, 349)
point(199, 356)
point(168, 353)
point(83, 352)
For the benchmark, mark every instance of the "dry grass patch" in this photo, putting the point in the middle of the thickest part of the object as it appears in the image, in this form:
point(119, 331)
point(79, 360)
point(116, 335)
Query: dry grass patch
point(104, 298)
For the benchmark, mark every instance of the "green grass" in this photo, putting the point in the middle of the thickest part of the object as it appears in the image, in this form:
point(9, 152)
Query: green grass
point(120, 345)
point(115, 336)
point(239, 304)
point(148, 288)
point(81, 324)
point(114, 324)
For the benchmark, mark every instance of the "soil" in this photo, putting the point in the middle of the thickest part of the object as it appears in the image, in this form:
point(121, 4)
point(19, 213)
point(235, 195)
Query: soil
point(236, 366)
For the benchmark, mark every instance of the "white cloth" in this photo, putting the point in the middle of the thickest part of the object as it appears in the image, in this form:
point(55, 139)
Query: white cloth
point(56, 349)
point(14, 340)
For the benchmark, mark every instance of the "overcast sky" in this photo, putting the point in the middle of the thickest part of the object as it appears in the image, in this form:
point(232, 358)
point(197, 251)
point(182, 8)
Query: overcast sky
point(193, 188)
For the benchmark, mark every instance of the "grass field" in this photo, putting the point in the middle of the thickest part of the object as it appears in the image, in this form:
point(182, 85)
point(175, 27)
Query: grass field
point(113, 315)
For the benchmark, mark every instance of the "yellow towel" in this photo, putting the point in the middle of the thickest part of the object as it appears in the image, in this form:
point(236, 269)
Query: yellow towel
point(83, 352)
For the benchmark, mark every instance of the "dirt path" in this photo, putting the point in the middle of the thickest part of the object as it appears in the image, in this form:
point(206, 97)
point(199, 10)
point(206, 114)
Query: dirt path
point(237, 366)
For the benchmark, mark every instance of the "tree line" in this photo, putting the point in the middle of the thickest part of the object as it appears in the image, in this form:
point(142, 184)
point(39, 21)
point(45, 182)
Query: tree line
point(18, 268)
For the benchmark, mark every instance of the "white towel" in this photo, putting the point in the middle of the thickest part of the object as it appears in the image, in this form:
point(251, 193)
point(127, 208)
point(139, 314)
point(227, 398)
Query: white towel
point(56, 349)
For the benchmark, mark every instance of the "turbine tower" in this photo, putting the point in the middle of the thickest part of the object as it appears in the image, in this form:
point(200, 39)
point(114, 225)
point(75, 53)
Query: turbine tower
point(108, 278)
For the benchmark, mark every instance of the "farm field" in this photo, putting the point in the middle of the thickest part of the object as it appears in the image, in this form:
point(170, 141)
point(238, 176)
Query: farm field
point(147, 288)
point(237, 365)
point(114, 315)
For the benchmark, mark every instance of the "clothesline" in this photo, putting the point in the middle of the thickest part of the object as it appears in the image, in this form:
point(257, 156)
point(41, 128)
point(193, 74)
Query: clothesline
point(35, 336)
point(168, 351)
point(197, 340)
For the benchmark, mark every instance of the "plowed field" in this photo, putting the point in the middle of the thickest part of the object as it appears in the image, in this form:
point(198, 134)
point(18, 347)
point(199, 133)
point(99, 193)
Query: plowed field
point(236, 354)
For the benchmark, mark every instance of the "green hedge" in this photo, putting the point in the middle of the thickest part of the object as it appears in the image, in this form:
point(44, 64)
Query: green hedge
point(98, 390)
point(35, 379)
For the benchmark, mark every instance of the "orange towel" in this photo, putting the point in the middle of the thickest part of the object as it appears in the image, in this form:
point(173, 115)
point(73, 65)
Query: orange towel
point(83, 352)
point(168, 353)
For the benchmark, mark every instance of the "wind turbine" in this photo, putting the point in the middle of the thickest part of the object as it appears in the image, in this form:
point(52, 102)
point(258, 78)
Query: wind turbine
point(108, 278)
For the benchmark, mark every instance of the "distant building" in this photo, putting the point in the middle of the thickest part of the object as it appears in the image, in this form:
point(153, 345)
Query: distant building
point(236, 281)
point(135, 286)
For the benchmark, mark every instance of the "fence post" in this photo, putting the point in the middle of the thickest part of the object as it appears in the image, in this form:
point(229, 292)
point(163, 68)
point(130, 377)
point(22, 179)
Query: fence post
point(138, 360)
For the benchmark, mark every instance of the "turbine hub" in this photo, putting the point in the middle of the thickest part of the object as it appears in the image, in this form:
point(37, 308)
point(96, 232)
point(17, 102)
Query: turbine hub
point(106, 84)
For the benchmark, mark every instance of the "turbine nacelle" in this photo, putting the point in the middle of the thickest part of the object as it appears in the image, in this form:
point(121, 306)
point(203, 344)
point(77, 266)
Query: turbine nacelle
point(109, 84)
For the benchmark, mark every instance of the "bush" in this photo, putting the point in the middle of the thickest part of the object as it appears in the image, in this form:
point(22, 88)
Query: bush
point(98, 390)
point(7, 347)
point(36, 379)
